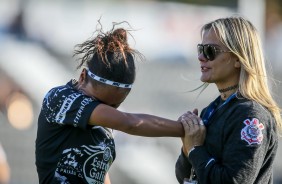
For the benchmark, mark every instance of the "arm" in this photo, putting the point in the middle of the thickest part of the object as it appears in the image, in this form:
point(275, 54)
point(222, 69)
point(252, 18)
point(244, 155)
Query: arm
point(195, 133)
point(135, 124)
point(107, 179)
point(182, 167)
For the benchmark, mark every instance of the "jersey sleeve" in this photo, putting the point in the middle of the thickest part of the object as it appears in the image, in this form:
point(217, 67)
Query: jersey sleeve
point(246, 137)
point(68, 107)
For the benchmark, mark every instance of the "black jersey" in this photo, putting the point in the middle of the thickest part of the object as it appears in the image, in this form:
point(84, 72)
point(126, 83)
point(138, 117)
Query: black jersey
point(68, 150)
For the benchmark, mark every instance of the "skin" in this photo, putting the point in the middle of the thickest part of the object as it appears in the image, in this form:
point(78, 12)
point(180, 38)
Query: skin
point(224, 71)
point(195, 131)
point(110, 95)
point(4, 173)
point(107, 115)
point(107, 179)
point(4, 168)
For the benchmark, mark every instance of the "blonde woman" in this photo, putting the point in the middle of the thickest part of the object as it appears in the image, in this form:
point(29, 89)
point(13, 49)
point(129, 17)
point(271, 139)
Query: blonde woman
point(240, 141)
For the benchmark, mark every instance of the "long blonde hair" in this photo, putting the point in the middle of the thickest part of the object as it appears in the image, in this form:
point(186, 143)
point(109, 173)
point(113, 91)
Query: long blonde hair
point(242, 39)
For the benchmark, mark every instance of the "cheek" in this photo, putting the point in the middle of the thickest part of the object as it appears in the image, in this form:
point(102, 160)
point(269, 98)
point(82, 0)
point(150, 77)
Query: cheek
point(230, 67)
point(223, 65)
point(214, 74)
point(117, 98)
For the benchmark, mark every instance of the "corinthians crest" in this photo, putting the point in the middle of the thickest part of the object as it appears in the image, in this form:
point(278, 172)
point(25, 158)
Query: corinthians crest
point(252, 132)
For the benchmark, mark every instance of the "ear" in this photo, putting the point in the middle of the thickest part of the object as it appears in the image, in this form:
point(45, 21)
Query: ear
point(237, 63)
point(82, 76)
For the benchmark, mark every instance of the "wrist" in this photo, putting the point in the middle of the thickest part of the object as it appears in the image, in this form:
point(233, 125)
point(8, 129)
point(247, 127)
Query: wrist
point(193, 148)
point(185, 152)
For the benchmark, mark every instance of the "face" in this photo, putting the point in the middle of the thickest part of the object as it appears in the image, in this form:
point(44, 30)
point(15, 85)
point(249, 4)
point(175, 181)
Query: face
point(224, 68)
point(110, 95)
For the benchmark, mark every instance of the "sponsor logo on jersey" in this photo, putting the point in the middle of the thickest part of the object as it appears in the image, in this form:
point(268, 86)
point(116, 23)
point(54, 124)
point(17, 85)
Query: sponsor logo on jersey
point(89, 163)
point(66, 106)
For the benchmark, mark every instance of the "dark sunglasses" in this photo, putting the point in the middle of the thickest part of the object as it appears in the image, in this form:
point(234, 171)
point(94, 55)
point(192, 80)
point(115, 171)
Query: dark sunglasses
point(209, 51)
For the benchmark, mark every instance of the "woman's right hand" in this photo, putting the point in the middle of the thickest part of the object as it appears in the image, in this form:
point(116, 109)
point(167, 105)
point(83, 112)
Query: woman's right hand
point(195, 131)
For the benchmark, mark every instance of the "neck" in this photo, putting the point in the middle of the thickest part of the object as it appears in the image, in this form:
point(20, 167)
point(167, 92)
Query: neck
point(226, 92)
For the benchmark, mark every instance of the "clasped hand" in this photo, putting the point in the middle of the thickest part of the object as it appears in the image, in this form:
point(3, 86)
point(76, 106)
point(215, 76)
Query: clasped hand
point(195, 130)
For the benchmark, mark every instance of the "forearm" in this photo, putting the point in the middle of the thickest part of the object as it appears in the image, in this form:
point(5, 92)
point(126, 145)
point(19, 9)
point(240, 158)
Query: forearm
point(153, 126)
point(135, 124)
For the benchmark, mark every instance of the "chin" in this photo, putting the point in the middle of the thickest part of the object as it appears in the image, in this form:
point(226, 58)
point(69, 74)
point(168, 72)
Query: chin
point(203, 79)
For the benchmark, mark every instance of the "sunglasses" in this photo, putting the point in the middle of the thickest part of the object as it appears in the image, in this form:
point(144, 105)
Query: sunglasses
point(209, 51)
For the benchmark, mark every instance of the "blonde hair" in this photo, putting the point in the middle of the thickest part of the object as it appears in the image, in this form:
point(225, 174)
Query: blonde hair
point(242, 39)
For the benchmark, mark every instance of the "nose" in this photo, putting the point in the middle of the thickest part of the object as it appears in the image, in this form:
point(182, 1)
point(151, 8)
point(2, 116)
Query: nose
point(202, 58)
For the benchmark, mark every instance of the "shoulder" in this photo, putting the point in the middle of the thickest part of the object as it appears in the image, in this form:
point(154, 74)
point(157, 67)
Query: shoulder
point(244, 109)
point(64, 92)
point(61, 90)
point(250, 108)
point(253, 120)
point(67, 97)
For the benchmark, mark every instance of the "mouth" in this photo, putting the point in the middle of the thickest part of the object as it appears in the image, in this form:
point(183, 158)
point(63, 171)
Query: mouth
point(204, 69)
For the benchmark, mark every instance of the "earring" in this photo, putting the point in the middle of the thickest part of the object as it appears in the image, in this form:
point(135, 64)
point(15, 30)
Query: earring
point(238, 63)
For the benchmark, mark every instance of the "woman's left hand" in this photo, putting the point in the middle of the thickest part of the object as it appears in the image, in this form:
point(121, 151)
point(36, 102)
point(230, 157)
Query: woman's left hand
point(195, 131)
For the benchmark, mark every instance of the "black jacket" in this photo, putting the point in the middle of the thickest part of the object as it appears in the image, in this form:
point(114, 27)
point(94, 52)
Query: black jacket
point(240, 146)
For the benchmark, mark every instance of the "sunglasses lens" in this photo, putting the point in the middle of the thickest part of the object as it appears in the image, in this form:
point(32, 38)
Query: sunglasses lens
point(209, 52)
point(200, 49)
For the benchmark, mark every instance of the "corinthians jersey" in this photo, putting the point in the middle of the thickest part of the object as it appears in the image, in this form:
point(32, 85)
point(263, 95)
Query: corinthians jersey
point(68, 150)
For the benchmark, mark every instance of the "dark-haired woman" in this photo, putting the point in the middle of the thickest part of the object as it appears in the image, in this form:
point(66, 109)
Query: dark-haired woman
point(74, 139)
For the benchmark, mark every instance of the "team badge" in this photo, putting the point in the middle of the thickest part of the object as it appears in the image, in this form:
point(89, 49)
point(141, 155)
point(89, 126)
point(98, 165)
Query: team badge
point(252, 132)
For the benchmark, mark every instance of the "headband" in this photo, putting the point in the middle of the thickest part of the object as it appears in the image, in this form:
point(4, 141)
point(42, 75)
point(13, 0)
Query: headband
point(106, 81)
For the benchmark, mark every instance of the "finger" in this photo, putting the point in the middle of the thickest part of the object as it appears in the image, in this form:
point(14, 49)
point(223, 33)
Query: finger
point(187, 121)
point(187, 113)
point(195, 119)
point(191, 120)
point(199, 120)
point(202, 129)
point(185, 126)
point(195, 111)
point(184, 115)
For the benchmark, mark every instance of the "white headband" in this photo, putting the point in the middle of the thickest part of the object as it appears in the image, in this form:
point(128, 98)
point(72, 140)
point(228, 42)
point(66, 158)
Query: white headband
point(106, 81)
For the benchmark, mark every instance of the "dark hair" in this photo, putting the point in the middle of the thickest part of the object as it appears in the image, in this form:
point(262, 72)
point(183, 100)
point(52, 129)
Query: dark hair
point(109, 55)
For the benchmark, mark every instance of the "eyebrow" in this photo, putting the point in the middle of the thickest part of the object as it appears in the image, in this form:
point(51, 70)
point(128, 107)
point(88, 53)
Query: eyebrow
point(216, 45)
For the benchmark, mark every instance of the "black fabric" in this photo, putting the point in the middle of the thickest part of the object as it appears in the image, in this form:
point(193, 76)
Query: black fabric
point(240, 146)
point(68, 150)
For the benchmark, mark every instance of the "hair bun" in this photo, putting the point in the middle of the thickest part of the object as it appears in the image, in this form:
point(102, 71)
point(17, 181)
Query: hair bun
point(120, 34)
